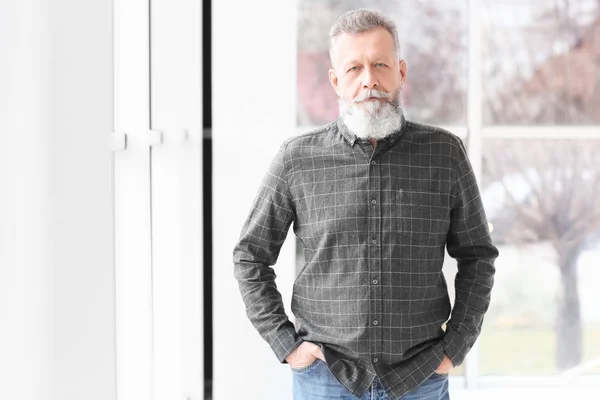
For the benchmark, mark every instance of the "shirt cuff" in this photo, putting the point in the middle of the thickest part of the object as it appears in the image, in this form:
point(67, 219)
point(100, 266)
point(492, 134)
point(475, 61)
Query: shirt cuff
point(454, 347)
point(284, 343)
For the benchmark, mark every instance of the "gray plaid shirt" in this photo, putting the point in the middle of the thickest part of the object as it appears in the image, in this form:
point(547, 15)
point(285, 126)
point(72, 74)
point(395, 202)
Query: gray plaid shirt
point(375, 224)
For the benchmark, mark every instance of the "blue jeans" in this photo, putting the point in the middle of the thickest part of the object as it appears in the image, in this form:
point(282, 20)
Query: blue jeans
point(316, 382)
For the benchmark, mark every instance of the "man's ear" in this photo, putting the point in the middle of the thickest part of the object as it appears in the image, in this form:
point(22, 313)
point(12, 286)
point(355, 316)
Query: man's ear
point(402, 67)
point(333, 79)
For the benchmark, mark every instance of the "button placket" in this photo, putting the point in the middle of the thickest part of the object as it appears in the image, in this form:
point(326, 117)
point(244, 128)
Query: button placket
point(374, 261)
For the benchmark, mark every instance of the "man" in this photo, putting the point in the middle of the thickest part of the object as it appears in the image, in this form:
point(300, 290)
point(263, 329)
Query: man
point(375, 199)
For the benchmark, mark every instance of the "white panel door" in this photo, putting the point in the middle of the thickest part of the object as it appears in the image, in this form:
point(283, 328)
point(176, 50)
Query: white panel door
point(158, 188)
point(175, 48)
point(133, 264)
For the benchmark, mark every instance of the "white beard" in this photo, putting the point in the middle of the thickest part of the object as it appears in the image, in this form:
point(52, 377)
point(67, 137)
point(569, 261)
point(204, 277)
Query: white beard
point(372, 119)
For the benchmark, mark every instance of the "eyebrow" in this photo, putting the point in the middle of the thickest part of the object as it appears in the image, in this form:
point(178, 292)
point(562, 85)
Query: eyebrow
point(348, 63)
point(355, 61)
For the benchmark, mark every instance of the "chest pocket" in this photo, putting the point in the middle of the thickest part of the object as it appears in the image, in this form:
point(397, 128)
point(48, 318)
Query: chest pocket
point(422, 217)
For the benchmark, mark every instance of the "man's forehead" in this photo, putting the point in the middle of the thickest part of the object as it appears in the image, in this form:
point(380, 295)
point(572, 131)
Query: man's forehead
point(360, 56)
point(370, 44)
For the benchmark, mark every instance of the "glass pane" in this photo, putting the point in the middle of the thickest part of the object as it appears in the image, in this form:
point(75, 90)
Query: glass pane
point(540, 62)
point(541, 197)
point(433, 39)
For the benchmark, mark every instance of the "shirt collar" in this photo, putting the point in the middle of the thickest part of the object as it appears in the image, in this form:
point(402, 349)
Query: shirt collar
point(351, 138)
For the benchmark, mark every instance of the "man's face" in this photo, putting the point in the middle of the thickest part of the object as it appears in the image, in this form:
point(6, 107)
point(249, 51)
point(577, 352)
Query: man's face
point(366, 60)
point(367, 76)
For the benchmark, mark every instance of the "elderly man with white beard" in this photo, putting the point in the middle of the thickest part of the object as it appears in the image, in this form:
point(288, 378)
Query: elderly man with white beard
point(376, 200)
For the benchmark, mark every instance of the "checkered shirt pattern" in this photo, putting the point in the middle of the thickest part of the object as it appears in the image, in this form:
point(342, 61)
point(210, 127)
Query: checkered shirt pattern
point(375, 224)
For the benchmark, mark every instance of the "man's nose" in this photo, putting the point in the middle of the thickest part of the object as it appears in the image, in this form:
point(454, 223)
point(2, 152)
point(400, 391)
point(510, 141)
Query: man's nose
point(369, 79)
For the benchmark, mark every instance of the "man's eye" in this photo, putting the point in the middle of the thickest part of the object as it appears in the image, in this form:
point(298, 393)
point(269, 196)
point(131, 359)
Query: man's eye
point(355, 68)
point(380, 64)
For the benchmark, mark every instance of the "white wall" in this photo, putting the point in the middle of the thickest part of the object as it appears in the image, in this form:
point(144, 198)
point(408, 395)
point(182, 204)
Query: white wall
point(254, 91)
point(56, 253)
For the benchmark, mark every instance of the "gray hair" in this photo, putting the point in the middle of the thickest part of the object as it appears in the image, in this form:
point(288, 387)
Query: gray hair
point(361, 20)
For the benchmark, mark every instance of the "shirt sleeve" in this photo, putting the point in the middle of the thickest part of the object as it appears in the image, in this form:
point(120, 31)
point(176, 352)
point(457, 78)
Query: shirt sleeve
point(257, 250)
point(470, 243)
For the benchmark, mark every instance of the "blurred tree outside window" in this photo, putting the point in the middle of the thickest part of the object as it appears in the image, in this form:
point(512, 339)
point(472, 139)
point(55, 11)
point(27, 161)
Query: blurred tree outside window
point(541, 62)
point(542, 198)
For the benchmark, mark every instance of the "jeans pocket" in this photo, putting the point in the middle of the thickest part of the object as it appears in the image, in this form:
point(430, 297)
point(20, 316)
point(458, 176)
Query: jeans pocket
point(308, 367)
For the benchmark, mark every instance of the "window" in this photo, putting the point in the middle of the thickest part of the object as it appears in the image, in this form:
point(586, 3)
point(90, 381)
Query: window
point(541, 196)
point(522, 78)
point(540, 63)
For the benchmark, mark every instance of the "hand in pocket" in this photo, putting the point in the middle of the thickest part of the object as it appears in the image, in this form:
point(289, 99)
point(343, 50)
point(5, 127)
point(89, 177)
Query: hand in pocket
point(304, 355)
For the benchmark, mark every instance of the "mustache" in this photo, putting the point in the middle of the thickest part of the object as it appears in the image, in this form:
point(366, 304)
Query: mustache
point(368, 93)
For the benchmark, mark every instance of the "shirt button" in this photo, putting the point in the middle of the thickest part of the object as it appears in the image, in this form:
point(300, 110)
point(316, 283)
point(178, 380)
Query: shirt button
point(374, 201)
point(375, 281)
point(373, 162)
point(374, 241)
point(375, 359)
point(375, 322)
